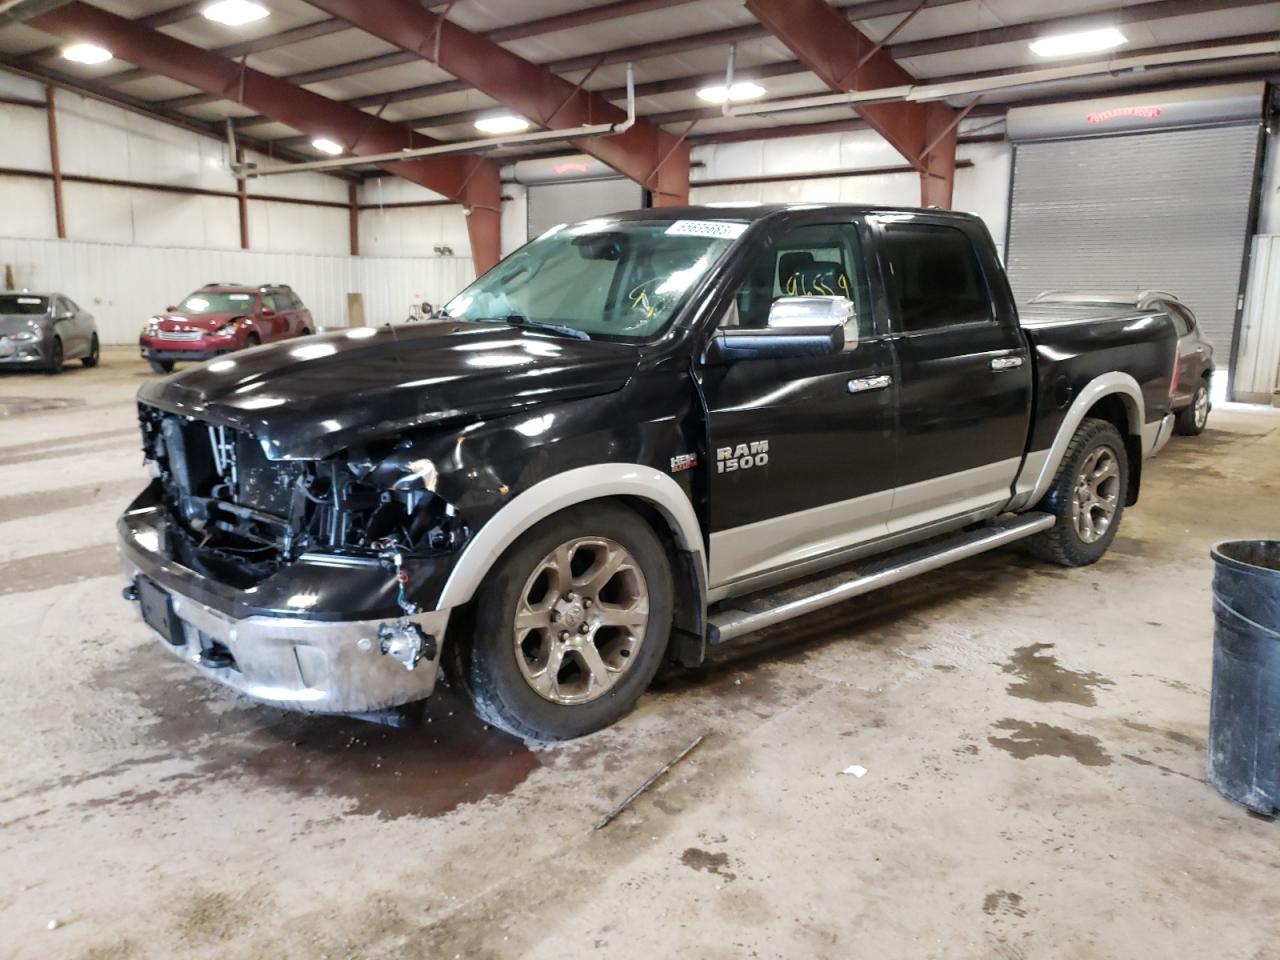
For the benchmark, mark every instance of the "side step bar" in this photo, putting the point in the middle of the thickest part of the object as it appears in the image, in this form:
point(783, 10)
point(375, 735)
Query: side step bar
point(756, 611)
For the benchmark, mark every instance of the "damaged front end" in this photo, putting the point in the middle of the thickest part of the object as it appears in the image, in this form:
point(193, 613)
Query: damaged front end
point(304, 583)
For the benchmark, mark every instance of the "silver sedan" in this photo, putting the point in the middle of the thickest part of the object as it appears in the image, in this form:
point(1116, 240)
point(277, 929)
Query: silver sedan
point(44, 331)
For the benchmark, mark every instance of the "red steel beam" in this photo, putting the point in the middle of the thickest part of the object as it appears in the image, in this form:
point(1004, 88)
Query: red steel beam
point(468, 179)
point(847, 60)
point(646, 154)
point(55, 162)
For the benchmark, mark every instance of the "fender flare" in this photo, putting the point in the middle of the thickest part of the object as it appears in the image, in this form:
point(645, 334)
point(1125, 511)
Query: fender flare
point(559, 492)
point(1105, 385)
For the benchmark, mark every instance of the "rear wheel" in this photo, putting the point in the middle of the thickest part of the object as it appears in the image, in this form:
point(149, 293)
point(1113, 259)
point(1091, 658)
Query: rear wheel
point(1191, 419)
point(252, 340)
point(161, 366)
point(570, 626)
point(92, 359)
point(1087, 497)
point(56, 357)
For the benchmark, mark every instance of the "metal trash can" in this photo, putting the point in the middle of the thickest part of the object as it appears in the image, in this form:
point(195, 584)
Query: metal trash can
point(1244, 712)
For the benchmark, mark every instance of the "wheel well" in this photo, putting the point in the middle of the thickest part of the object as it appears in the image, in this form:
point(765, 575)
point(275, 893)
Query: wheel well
point(1118, 411)
point(688, 626)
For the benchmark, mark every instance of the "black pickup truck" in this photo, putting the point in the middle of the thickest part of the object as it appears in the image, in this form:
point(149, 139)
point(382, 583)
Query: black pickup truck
point(616, 447)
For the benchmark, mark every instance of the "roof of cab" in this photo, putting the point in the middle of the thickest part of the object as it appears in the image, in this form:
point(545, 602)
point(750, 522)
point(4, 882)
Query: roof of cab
point(760, 211)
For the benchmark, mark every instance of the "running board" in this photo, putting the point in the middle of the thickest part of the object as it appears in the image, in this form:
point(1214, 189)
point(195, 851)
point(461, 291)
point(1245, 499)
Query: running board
point(757, 611)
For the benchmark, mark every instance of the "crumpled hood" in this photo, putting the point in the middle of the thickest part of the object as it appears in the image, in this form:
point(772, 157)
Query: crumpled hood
point(311, 397)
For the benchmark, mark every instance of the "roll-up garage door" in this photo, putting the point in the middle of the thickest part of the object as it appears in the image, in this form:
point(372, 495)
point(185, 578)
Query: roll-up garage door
point(553, 203)
point(1166, 210)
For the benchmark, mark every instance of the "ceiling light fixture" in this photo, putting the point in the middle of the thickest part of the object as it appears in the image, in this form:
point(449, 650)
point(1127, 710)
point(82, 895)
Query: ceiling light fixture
point(234, 13)
point(502, 123)
point(325, 145)
point(740, 91)
point(86, 53)
point(1074, 44)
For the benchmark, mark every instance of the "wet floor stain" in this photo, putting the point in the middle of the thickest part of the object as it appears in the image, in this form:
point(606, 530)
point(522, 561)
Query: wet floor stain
point(17, 406)
point(1185, 739)
point(1003, 902)
point(451, 759)
point(1168, 771)
point(1045, 680)
point(58, 569)
point(1029, 739)
point(696, 858)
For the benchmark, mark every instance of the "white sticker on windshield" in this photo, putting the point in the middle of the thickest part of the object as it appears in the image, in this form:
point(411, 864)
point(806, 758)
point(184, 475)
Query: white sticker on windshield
point(240, 296)
point(719, 229)
point(35, 300)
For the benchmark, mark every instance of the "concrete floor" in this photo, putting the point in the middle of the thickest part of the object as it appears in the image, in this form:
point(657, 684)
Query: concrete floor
point(1034, 741)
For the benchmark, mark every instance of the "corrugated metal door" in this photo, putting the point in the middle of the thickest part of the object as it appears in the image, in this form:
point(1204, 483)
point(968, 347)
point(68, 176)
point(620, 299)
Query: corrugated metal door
point(569, 202)
point(1167, 210)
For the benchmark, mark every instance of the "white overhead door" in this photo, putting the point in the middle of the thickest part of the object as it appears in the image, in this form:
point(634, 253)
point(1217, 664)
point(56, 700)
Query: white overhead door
point(1167, 210)
point(569, 202)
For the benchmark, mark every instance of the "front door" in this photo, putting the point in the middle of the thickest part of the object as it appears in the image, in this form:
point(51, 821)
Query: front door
point(803, 447)
point(964, 401)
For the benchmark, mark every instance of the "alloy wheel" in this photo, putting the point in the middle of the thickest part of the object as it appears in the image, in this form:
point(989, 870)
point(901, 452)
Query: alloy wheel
point(1096, 495)
point(1201, 407)
point(580, 620)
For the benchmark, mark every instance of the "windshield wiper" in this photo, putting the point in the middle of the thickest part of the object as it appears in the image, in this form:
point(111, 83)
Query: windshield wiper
point(520, 320)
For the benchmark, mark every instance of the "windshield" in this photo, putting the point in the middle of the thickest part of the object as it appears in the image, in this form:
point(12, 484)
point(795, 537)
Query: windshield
point(19, 305)
point(613, 279)
point(206, 302)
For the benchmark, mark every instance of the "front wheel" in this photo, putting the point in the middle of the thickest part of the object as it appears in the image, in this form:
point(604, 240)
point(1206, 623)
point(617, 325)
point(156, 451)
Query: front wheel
point(161, 366)
point(94, 353)
point(1087, 497)
point(570, 626)
point(56, 357)
point(1191, 419)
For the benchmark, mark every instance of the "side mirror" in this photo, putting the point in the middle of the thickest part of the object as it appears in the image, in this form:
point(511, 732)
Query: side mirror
point(798, 327)
point(267, 312)
point(171, 309)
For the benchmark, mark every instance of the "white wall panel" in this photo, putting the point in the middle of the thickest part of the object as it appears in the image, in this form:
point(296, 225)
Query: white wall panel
point(24, 133)
point(123, 285)
point(1257, 371)
point(296, 228)
point(12, 85)
point(99, 213)
point(413, 231)
point(28, 206)
point(93, 139)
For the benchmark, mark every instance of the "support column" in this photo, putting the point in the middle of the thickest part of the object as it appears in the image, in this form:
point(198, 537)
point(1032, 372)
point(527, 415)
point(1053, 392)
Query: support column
point(55, 162)
point(242, 202)
point(482, 203)
point(937, 179)
point(353, 209)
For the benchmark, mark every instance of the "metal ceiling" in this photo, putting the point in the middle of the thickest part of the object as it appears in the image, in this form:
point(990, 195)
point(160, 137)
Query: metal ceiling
point(676, 46)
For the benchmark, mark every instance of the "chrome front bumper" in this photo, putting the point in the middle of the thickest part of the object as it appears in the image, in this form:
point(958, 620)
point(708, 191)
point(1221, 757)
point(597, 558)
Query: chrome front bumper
point(310, 665)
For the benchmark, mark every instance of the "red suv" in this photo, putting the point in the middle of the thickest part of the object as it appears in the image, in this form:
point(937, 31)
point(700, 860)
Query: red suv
point(219, 318)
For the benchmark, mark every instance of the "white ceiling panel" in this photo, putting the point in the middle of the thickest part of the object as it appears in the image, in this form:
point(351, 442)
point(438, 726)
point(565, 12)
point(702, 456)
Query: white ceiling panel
point(284, 15)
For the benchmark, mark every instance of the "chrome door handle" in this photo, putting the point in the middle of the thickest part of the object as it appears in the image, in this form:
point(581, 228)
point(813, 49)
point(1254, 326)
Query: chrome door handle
point(863, 384)
point(1006, 363)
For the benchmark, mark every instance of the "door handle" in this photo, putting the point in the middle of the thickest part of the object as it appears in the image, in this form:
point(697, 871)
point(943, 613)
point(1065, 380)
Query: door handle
point(1006, 363)
point(863, 384)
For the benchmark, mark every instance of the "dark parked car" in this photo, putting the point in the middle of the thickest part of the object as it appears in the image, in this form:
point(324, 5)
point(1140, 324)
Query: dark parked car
point(1193, 388)
point(44, 331)
point(616, 448)
point(222, 317)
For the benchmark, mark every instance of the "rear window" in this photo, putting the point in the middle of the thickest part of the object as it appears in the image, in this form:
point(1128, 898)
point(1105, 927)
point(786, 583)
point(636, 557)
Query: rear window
point(936, 277)
point(22, 305)
point(207, 301)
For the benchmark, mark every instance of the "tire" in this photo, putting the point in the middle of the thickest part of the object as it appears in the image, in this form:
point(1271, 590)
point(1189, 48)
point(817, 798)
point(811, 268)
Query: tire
point(1191, 419)
point(161, 366)
point(91, 360)
point(304, 332)
point(1072, 542)
point(56, 357)
point(507, 669)
point(253, 340)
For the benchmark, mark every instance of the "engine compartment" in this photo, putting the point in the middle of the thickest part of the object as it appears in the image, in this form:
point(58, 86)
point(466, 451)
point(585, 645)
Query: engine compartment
point(242, 516)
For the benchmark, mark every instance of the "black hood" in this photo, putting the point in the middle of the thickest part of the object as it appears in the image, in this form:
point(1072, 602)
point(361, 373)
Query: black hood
point(310, 397)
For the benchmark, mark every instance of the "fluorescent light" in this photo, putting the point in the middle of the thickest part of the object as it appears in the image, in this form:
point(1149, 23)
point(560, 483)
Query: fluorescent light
point(1073, 44)
point(234, 13)
point(502, 123)
point(742, 90)
point(86, 53)
point(325, 145)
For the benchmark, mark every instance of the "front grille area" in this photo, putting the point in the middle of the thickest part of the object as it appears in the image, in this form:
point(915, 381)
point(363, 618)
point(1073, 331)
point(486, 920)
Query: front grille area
point(187, 335)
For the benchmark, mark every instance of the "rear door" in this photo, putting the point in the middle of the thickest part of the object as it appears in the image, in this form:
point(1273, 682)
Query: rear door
point(964, 398)
point(803, 447)
point(273, 319)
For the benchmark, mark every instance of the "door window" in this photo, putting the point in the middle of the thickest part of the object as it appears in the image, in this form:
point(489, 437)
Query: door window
point(935, 275)
point(268, 302)
point(815, 260)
